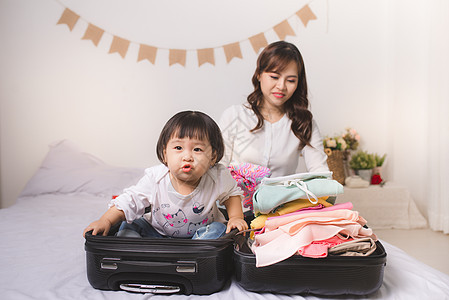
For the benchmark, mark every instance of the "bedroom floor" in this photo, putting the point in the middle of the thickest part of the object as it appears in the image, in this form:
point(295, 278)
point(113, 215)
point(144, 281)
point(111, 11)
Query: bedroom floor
point(425, 245)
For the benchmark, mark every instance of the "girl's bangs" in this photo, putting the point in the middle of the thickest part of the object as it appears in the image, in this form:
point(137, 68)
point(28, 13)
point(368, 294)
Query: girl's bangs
point(192, 130)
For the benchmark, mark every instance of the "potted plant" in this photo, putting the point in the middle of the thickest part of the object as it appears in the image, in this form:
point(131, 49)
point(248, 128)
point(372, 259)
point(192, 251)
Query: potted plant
point(379, 159)
point(363, 163)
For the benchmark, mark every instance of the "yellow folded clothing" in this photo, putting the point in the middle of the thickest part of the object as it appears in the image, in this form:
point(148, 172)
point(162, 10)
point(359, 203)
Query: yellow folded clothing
point(286, 208)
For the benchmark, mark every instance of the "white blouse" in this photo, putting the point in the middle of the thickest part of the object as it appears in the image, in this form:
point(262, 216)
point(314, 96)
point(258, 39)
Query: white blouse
point(273, 146)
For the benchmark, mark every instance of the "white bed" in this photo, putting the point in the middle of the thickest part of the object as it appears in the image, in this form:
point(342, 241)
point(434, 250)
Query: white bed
point(42, 249)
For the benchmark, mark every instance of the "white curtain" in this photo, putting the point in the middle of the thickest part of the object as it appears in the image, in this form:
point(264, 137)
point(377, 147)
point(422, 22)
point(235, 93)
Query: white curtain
point(438, 125)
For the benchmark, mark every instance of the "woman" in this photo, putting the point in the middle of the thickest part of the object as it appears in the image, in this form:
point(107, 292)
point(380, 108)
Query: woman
point(275, 127)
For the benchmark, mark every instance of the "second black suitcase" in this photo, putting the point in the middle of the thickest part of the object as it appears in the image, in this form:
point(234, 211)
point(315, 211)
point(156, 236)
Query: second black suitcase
point(158, 265)
point(333, 275)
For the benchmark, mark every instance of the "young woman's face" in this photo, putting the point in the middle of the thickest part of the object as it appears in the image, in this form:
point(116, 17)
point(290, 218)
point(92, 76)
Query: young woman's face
point(278, 87)
point(188, 158)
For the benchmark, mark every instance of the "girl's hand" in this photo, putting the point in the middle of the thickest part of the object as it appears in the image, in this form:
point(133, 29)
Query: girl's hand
point(238, 223)
point(100, 226)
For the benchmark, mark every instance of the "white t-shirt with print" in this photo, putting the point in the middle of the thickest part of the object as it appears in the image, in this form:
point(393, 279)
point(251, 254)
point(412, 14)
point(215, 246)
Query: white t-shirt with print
point(173, 214)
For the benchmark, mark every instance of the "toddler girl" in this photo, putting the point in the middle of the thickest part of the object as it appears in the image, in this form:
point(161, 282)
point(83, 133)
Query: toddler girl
point(182, 191)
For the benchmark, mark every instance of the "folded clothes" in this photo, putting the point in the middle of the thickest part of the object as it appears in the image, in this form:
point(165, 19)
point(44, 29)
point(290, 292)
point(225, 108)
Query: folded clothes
point(346, 207)
point(275, 246)
point(283, 236)
point(320, 249)
point(290, 207)
point(299, 204)
point(273, 192)
point(356, 247)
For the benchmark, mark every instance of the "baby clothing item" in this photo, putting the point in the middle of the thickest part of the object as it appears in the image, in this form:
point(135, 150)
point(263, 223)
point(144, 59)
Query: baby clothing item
point(299, 204)
point(273, 192)
point(141, 228)
point(283, 236)
point(319, 249)
point(356, 247)
point(248, 177)
point(290, 207)
point(173, 214)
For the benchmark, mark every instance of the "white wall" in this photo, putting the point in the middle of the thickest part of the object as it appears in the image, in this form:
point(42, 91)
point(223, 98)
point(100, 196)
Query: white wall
point(363, 72)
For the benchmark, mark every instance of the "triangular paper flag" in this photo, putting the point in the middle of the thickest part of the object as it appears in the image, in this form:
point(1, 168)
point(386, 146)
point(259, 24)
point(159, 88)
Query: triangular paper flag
point(69, 18)
point(232, 50)
point(206, 56)
point(148, 53)
point(258, 41)
point(283, 29)
point(93, 33)
point(120, 46)
point(306, 14)
point(177, 56)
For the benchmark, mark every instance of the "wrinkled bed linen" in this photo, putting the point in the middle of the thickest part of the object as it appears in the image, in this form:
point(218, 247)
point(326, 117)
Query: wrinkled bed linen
point(42, 257)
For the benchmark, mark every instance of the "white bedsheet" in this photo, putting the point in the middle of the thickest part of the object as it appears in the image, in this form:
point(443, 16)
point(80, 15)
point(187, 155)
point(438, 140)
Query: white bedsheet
point(42, 256)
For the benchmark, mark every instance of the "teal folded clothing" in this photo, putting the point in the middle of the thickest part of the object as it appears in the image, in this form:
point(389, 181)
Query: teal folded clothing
point(273, 193)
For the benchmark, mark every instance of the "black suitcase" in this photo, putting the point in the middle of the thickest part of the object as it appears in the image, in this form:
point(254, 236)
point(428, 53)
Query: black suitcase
point(330, 276)
point(159, 265)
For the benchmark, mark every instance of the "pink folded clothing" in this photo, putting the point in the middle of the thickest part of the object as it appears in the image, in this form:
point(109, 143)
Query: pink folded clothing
point(320, 249)
point(343, 211)
point(277, 245)
point(283, 236)
point(248, 177)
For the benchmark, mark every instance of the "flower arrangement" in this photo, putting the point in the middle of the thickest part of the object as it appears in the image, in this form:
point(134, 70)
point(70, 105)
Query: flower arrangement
point(334, 143)
point(347, 141)
point(352, 138)
point(362, 160)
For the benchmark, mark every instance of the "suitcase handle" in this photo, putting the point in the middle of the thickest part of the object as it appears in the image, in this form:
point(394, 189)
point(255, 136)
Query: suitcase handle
point(150, 288)
point(163, 267)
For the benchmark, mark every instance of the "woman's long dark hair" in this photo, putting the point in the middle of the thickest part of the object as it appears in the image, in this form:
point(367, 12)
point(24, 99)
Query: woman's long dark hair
point(275, 58)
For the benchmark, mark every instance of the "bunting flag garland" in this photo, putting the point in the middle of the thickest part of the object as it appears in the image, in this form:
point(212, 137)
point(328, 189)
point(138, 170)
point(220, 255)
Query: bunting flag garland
point(119, 45)
point(69, 18)
point(232, 50)
point(305, 14)
point(179, 56)
point(93, 33)
point(283, 29)
point(148, 53)
point(258, 41)
point(206, 56)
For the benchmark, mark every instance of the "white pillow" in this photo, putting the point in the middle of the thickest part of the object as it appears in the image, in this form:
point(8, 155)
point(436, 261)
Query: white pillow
point(66, 169)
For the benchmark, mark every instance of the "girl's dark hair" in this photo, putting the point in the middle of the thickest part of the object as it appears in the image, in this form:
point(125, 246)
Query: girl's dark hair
point(191, 124)
point(275, 58)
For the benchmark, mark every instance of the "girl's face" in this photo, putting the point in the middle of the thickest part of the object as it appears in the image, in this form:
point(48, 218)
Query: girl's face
point(278, 87)
point(188, 159)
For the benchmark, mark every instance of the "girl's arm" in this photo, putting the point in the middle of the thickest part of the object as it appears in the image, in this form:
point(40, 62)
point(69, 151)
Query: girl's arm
point(235, 213)
point(102, 225)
